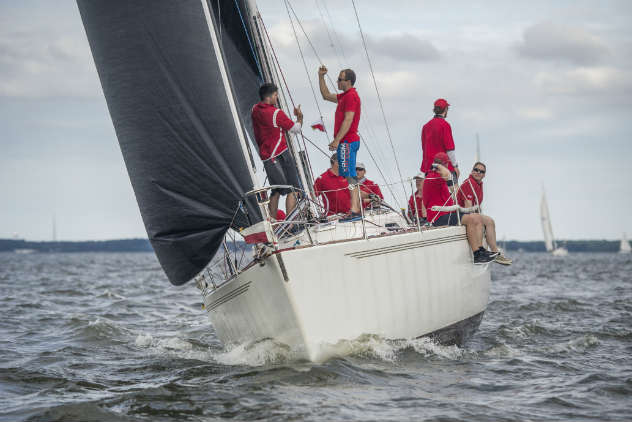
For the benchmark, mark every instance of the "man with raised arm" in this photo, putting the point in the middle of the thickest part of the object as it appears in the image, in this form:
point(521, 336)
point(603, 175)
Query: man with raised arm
point(346, 140)
point(270, 124)
point(436, 136)
point(470, 194)
point(437, 193)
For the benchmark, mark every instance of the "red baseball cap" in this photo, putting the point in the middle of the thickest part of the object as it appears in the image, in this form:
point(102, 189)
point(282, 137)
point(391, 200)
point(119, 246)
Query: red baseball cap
point(443, 157)
point(441, 103)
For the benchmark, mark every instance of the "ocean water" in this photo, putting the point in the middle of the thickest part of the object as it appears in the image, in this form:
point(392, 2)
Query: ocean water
point(104, 337)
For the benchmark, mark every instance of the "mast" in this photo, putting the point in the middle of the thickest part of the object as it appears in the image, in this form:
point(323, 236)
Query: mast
point(477, 157)
point(270, 74)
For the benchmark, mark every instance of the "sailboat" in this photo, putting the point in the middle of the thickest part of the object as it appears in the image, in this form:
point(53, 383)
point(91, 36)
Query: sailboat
point(547, 230)
point(179, 79)
point(624, 247)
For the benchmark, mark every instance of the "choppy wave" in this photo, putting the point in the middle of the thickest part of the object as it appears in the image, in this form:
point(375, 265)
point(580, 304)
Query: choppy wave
point(104, 337)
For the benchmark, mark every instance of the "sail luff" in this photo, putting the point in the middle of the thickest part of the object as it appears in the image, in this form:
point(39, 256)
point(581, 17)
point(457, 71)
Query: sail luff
point(229, 93)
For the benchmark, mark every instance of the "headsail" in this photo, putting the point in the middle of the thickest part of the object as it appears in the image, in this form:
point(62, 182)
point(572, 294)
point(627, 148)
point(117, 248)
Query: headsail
point(547, 230)
point(180, 130)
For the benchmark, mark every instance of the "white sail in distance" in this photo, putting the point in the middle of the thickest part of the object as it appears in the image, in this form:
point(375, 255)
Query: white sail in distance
point(624, 247)
point(547, 230)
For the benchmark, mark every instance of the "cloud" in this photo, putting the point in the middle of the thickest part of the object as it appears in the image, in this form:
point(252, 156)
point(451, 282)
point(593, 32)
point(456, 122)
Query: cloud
point(601, 81)
point(406, 47)
point(550, 41)
point(331, 44)
point(40, 64)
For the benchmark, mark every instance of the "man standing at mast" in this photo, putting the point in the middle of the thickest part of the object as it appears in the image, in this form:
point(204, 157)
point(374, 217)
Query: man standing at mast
point(269, 124)
point(346, 141)
point(436, 137)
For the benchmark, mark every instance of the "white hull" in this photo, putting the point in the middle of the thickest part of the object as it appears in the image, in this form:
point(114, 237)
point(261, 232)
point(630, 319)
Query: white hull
point(398, 286)
point(560, 252)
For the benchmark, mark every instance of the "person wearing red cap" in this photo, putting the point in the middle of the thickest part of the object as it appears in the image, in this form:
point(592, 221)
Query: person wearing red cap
point(470, 194)
point(333, 189)
point(437, 193)
point(436, 136)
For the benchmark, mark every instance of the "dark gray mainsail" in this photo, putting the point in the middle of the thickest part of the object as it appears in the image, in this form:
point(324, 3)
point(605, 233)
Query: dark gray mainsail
point(178, 104)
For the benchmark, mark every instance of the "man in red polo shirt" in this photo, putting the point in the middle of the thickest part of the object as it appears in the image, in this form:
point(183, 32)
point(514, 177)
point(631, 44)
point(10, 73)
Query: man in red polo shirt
point(470, 194)
point(346, 139)
point(437, 193)
point(436, 136)
point(334, 189)
point(416, 209)
point(368, 187)
point(269, 125)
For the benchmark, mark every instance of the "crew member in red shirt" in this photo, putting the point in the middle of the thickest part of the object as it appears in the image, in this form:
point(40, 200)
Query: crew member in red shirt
point(416, 209)
point(436, 136)
point(368, 187)
point(280, 215)
point(334, 189)
point(269, 125)
point(471, 191)
point(470, 194)
point(437, 193)
point(346, 138)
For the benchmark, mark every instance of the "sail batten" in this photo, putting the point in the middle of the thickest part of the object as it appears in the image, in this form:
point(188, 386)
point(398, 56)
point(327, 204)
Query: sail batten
point(179, 120)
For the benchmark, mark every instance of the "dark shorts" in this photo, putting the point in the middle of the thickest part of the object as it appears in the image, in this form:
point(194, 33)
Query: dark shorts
point(282, 171)
point(450, 219)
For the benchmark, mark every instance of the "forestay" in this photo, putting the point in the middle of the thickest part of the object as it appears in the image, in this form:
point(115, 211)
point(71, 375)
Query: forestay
point(170, 96)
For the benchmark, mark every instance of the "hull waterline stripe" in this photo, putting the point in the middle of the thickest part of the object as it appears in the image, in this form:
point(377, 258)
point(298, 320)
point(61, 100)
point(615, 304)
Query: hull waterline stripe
point(404, 246)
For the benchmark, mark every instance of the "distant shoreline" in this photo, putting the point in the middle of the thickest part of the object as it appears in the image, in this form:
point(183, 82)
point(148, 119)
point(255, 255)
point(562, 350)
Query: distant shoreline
point(143, 245)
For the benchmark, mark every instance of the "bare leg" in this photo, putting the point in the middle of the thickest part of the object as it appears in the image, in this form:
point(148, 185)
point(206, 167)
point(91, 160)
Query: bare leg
point(274, 204)
point(355, 200)
point(474, 229)
point(290, 202)
point(490, 232)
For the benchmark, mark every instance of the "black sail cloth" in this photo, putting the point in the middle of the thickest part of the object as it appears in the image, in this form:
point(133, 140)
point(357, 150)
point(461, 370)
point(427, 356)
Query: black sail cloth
point(167, 99)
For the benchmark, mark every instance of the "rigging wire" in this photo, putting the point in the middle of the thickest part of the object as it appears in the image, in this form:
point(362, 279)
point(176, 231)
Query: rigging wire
point(279, 70)
point(364, 123)
point(379, 97)
point(331, 41)
point(300, 49)
point(252, 48)
point(298, 21)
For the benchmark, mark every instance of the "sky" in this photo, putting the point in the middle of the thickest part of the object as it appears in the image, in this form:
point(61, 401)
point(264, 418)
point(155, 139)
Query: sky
point(547, 86)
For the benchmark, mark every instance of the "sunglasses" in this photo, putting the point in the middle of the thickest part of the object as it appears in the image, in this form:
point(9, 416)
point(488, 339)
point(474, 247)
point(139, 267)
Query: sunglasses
point(359, 169)
point(340, 80)
point(479, 171)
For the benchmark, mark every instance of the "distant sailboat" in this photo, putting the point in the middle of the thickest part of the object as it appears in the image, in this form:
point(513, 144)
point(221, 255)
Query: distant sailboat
point(547, 230)
point(625, 245)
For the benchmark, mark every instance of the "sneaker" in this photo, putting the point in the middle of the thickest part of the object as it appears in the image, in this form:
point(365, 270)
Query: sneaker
point(482, 256)
point(502, 260)
point(354, 216)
